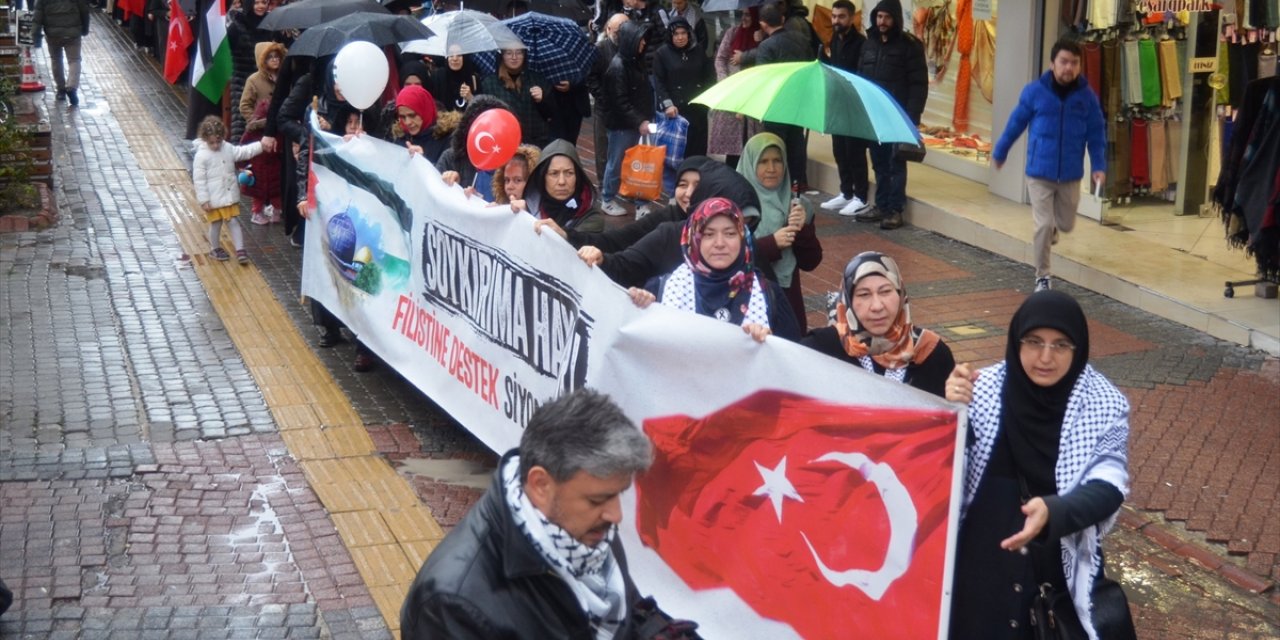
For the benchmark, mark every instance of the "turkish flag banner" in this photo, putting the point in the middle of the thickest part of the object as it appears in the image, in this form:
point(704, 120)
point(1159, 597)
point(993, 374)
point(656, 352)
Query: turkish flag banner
point(830, 518)
point(178, 43)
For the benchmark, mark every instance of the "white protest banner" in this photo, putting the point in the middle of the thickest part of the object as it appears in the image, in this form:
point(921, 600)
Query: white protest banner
point(792, 494)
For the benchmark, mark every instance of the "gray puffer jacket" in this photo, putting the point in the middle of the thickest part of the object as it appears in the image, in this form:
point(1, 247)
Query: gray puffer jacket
point(62, 19)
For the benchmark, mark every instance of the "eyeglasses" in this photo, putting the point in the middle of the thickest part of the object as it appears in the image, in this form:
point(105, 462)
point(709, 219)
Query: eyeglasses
point(1038, 345)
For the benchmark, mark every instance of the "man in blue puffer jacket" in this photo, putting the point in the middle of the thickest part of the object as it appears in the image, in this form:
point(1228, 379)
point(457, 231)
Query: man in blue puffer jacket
point(1065, 118)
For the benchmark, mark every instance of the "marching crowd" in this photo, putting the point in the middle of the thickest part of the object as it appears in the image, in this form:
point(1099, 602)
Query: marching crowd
point(1045, 459)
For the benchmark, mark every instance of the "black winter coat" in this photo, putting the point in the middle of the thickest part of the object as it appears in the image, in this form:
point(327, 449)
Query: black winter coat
point(628, 93)
point(681, 74)
point(487, 582)
point(898, 64)
point(846, 50)
point(784, 45)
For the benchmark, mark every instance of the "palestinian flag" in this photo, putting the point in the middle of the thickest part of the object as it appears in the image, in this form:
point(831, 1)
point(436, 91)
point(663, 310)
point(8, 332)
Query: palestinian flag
point(211, 69)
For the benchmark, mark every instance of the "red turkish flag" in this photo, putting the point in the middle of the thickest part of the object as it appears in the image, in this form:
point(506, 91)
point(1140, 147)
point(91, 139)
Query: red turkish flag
point(759, 496)
point(178, 43)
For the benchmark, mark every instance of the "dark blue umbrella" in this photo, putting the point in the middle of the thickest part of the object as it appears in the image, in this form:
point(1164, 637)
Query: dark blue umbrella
point(558, 48)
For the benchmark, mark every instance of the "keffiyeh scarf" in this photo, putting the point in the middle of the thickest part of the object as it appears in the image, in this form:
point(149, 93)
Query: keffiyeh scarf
point(592, 573)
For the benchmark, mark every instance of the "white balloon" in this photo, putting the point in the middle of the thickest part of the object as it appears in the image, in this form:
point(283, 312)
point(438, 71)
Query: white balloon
point(361, 72)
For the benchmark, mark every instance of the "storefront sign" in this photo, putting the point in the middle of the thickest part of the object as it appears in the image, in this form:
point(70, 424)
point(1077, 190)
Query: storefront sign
point(981, 9)
point(27, 28)
point(1204, 65)
point(1159, 6)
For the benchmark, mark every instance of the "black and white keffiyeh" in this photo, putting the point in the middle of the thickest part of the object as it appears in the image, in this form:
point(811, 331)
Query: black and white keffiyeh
point(592, 573)
point(680, 292)
point(1094, 445)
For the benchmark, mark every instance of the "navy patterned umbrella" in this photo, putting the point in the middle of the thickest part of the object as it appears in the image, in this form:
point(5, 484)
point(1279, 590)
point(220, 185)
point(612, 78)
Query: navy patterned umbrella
point(558, 48)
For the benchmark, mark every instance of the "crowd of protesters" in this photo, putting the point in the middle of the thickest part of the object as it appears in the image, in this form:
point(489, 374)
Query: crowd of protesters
point(730, 243)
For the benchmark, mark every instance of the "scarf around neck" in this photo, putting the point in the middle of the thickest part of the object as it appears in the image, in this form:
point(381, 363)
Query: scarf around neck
point(1033, 414)
point(592, 573)
point(775, 204)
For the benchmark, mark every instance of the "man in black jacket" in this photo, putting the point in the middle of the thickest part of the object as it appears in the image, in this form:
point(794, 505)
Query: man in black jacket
point(629, 105)
point(850, 153)
point(538, 556)
point(893, 59)
point(605, 50)
point(783, 44)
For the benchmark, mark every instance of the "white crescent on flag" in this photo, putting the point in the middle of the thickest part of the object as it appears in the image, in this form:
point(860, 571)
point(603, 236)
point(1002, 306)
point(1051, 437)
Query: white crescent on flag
point(902, 528)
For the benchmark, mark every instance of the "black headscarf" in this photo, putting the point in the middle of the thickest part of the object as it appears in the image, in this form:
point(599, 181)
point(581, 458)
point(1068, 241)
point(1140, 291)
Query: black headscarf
point(1032, 414)
point(447, 82)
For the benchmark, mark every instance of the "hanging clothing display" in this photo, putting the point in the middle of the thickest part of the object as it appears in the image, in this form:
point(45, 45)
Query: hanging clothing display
point(1157, 154)
point(1247, 192)
point(1170, 74)
point(1118, 183)
point(1139, 169)
point(1112, 96)
point(1091, 63)
point(1132, 72)
point(1150, 72)
point(984, 57)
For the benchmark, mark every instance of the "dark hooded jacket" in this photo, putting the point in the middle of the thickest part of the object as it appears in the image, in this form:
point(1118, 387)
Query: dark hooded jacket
point(897, 64)
point(680, 74)
point(788, 44)
point(628, 93)
point(455, 158)
point(244, 35)
point(446, 82)
point(619, 238)
point(658, 252)
point(581, 211)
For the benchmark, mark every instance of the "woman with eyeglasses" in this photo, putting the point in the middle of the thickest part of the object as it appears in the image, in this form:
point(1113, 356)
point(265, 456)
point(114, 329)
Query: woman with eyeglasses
point(873, 328)
point(1046, 469)
point(526, 92)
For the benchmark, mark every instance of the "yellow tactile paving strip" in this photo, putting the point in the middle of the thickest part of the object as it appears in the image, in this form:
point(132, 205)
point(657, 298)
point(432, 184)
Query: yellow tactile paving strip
point(387, 530)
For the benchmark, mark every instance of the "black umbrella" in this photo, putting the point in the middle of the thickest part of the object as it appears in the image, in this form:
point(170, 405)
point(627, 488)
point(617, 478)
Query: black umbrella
point(572, 9)
point(380, 29)
point(302, 14)
point(711, 6)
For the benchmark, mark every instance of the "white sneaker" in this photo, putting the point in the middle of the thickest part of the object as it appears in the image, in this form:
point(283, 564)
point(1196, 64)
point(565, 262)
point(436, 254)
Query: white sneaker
point(854, 207)
point(1043, 284)
point(835, 203)
point(643, 211)
point(612, 208)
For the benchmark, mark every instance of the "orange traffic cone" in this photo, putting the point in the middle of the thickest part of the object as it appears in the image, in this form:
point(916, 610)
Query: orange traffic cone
point(30, 80)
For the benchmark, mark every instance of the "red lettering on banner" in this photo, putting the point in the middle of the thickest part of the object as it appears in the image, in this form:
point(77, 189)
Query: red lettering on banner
point(470, 368)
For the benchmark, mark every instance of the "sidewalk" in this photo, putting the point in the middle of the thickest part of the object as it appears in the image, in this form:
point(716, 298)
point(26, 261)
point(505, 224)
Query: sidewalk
point(179, 460)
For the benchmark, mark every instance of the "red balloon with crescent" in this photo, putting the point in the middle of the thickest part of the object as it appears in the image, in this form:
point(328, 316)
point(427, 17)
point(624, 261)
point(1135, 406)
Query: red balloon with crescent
point(493, 139)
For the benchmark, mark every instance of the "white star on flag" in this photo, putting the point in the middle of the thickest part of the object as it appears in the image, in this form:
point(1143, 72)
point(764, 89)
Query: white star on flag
point(776, 486)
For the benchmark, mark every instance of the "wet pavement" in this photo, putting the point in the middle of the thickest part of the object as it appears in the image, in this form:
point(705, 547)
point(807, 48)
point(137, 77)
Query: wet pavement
point(158, 478)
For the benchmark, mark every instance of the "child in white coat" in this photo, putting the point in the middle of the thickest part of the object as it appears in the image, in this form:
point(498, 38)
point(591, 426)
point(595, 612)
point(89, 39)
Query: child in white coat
point(217, 186)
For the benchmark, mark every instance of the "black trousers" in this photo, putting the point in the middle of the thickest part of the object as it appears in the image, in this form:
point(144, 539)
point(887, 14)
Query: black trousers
point(797, 150)
point(851, 164)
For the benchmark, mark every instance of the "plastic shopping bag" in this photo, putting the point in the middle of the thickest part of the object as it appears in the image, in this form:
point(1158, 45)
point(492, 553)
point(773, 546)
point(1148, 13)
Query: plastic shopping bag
point(642, 172)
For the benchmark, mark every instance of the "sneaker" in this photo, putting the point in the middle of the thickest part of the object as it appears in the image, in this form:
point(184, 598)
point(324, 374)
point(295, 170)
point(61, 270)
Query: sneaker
point(60, 95)
point(294, 242)
point(612, 208)
point(854, 207)
point(260, 218)
point(892, 221)
point(643, 211)
point(72, 98)
point(872, 214)
point(242, 256)
point(331, 338)
point(836, 203)
point(220, 254)
point(269, 212)
point(1043, 284)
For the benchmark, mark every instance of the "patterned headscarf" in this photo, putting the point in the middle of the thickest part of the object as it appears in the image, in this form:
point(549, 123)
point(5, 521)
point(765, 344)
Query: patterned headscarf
point(718, 289)
point(899, 346)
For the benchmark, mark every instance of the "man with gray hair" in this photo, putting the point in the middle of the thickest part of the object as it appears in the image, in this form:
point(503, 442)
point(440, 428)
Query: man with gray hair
point(538, 555)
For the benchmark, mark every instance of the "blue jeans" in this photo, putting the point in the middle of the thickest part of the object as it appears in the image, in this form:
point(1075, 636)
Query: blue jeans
point(619, 141)
point(891, 179)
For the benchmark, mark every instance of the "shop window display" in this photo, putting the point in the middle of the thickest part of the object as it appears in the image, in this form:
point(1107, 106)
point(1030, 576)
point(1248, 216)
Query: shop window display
point(959, 38)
